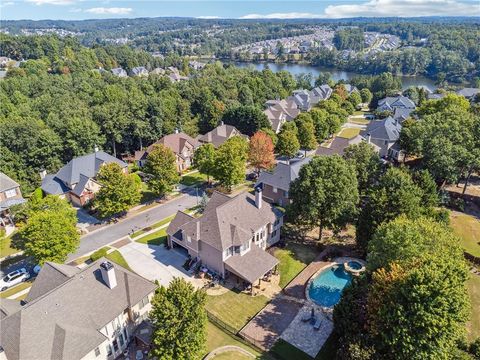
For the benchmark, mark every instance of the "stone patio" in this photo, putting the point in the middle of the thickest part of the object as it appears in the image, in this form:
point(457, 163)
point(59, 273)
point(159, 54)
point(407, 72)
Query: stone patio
point(302, 334)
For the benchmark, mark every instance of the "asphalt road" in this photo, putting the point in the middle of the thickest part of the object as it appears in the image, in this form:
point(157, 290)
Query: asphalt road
point(117, 231)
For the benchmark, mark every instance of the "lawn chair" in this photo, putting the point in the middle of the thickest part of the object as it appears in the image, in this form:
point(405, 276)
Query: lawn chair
point(317, 325)
point(309, 317)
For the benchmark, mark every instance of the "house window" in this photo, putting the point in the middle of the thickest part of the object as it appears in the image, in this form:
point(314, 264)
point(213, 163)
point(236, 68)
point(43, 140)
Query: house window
point(10, 193)
point(125, 334)
point(109, 350)
point(144, 302)
point(115, 345)
point(274, 233)
point(97, 352)
point(237, 249)
point(386, 142)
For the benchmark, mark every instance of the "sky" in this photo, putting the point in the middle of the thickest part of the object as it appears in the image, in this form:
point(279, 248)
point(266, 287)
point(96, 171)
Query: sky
point(233, 9)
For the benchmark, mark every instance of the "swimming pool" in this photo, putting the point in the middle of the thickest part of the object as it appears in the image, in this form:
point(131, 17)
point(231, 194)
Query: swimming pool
point(326, 288)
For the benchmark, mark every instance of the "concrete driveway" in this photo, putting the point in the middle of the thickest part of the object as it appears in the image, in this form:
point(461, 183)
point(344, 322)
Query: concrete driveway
point(157, 263)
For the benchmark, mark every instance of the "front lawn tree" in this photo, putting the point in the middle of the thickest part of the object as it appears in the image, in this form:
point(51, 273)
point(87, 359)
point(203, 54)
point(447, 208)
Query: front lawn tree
point(204, 160)
point(50, 232)
point(325, 194)
point(288, 144)
point(179, 322)
point(366, 95)
point(306, 132)
point(118, 192)
point(260, 154)
point(161, 167)
point(230, 162)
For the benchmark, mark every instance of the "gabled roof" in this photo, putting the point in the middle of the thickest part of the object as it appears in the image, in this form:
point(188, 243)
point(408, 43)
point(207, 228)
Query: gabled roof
point(64, 322)
point(53, 186)
point(220, 134)
point(227, 221)
point(87, 165)
point(7, 183)
point(283, 174)
point(9, 307)
point(401, 114)
point(338, 145)
point(392, 102)
point(386, 129)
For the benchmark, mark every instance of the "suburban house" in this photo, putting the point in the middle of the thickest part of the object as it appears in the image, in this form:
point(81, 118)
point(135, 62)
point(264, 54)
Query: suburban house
point(76, 180)
point(139, 71)
point(306, 99)
point(182, 145)
point(280, 111)
point(391, 103)
point(10, 195)
point(350, 88)
point(338, 145)
point(468, 93)
point(385, 134)
point(72, 313)
point(276, 183)
point(219, 135)
point(231, 236)
point(119, 72)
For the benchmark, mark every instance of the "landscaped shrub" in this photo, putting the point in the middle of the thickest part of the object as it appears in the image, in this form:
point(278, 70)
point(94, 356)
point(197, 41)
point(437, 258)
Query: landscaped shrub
point(37, 194)
point(98, 254)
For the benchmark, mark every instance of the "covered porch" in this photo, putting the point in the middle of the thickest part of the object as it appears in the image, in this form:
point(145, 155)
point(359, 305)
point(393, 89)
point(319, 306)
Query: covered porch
point(252, 268)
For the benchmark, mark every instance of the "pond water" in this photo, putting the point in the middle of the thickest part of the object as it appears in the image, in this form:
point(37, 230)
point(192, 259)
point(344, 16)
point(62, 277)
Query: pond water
point(296, 69)
point(326, 288)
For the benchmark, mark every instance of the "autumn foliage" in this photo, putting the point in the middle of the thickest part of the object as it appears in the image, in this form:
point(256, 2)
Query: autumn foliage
point(260, 154)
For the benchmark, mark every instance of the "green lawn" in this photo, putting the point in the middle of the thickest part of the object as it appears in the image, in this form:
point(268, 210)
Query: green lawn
point(216, 338)
point(235, 308)
point(6, 247)
point(191, 179)
point(232, 355)
point(154, 226)
point(473, 326)
point(15, 289)
point(468, 229)
point(156, 238)
point(118, 258)
point(293, 259)
point(359, 121)
point(283, 350)
point(349, 133)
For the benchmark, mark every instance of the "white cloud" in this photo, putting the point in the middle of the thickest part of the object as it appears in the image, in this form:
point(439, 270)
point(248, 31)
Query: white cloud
point(292, 15)
point(8, 3)
point(404, 8)
point(110, 11)
point(208, 17)
point(51, 2)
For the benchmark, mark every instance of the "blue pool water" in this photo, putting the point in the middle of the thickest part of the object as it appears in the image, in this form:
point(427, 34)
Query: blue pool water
point(326, 288)
point(355, 265)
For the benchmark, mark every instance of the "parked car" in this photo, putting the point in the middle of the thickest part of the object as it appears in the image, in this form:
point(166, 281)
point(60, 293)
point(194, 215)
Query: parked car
point(14, 278)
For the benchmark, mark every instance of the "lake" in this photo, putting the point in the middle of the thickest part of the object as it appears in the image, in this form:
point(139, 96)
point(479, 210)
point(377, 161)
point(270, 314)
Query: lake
point(296, 69)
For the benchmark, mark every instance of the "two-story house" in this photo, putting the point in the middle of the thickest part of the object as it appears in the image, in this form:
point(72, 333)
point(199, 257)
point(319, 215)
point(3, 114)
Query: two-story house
point(280, 111)
point(10, 195)
point(219, 135)
point(76, 180)
point(182, 145)
point(72, 313)
point(276, 183)
point(231, 236)
point(385, 134)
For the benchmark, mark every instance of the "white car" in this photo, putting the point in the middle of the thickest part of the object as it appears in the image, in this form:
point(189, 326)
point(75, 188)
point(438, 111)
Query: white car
point(14, 278)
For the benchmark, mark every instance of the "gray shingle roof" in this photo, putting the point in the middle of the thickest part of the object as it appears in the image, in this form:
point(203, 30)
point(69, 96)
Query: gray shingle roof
point(228, 221)
point(283, 174)
point(87, 165)
point(64, 322)
point(386, 129)
point(7, 183)
point(392, 102)
point(468, 92)
point(252, 265)
point(9, 307)
point(220, 134)
point(52, 185)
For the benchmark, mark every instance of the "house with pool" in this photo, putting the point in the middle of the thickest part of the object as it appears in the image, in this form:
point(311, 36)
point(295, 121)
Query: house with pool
point(231, 236)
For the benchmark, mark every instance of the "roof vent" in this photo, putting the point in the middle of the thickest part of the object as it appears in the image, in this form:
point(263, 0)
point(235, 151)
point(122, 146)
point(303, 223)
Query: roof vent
point(108, 274)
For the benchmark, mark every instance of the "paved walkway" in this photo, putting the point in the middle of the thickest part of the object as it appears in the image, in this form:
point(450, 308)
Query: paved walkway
point(157, 263)
point(296, 288)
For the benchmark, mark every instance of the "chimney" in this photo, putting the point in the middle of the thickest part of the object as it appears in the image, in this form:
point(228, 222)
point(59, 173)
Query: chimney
point(258, 196)
point(108, 274)
point(43, 173)
point(369, 138)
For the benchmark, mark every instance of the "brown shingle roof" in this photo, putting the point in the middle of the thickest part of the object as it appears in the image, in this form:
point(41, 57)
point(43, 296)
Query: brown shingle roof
point(220, 134)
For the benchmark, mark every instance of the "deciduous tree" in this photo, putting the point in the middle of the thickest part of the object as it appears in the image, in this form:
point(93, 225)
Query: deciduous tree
point(366, 162)
point(260, 154)
point(230, 162)
point(179, 322)
point(161, 166)
point(204, 160)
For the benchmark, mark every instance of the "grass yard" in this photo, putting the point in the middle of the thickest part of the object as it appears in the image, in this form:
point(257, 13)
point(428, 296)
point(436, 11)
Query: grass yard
point(216, 338)
point(6, 247)
point(156, 238)
point(154, 226)
point(359, 121)
point(235, 308)
point(293, 259)
point(232, 355)
point(283, 350)
point(349, 133)
point(16, 289)
point(473, 326)
point(468, 229)
point(118, 258)
point(191, 179)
